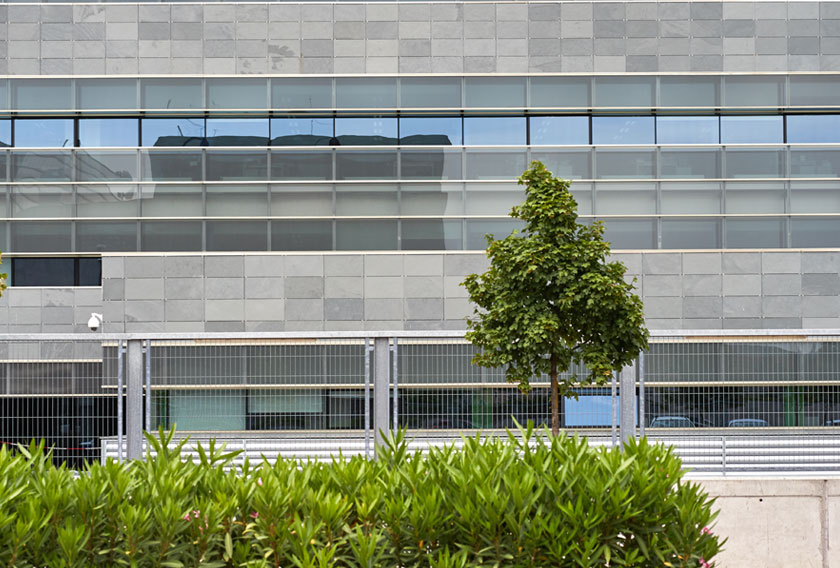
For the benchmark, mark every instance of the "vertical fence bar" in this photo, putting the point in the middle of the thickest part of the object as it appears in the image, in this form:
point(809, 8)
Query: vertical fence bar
point(614, 420)
point(642, 419)
point(627, 399)
point(395, 378)
point(119, 400)
point(134, 399)
point(381, 388)
point(367, 396)
point(148, 384)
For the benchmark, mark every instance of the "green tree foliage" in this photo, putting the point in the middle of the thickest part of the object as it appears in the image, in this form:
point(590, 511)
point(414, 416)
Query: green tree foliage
point(550, 298)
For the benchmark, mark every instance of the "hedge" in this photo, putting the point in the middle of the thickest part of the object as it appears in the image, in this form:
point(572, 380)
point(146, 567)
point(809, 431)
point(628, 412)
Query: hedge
point(527, 500)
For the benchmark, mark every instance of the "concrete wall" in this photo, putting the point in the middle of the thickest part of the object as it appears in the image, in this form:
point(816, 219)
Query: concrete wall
point(382, 37)
point(778, 523)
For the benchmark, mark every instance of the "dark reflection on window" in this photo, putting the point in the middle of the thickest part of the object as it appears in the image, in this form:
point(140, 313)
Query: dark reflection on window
point(637, 234)
point(430, 164)
point(171, 235)
point(690, 234)
point(237, 235)
point(90, 271)
point(559, 130)
point(366, 165)
point(44, 133)
point(499, 228)
point(687, 130)
point(430, 131)
point(366, 235)
point(431, 234)
point(41, 166)
point(301, 93)
point(568, 164)
point(108, 132)
point(40, 236)
point(380, 131)
point(755, 233)
point(171, 93)
point(173, 132)
point(43, 272)
point(223, 166)
point(754, 163)
point(495, 164)
point(301, 235)
point(237, 131)
point(495, 130)
point(315, 165)
point(814, 232)
point(624, 164)
point(302, 131)
point(430, 92)
point(751, 129)
point(623, 130)
point(689, 163)
point(172, 166)
point(813, 128)
point(101, 237)
point(110, 166)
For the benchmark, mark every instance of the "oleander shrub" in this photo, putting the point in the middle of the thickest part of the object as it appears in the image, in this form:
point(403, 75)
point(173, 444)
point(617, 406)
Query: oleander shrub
point(526, 500)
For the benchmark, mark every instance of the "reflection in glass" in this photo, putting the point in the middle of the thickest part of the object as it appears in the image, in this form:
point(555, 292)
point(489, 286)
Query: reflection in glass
point(431, 234)
point(171, 93)
point(301, 131)
point(477, 229)
point(814, 90)
point(624, 164)
point(108, 93)
point(44, 272)
point(634, 234)
point(237, 200)
point(291, 93)
point(237, 131)
point(108, 132)
point(237, 235)
point(679, 163)
point(432, 199)
point(624, 92)
point(301, 235)
point(42, 166)
point(5, 133)
point(493, 198)
point(44, 133)
point(41, 94)
point(687, 130)
point(352, 92)
point(623, 130)
point(559, 130)
point(430, 131)
point(814, 232)
point(290, 165)
point(754, 91)
point(560, 92)
point(430, 164)
point(106, 166)
point(42, 201)
point(238, 93)
point(430, 92)
point(689, 92)
point(103, 200)
point(751, 129)
point(159, 200)
point(171, 166)
point(814, 162)
point(102, 237)
point(170, 236)
point(495, 164)
point(625, 198)
point(813, 128)
point(495, 130)
point(359, 200)
point(495, 92)
point(755, 233)
point(566, 164)
point(224, 166)
point(690, 233)
point(379, 131)
point(40, 236)
point(172, 132)
point(367, 164)
point(365, 235)
point(754, 163)
point(301, 200)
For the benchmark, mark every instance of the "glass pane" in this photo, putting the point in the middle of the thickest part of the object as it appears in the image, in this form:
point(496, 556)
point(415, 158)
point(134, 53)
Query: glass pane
point(102, 237)
point(690, 198)
point(237, 131)
point(814, 90)
point(624, 92)
point(813, 128)
point(687, 92)
point(42, 201)
point(751, 129)
point(359, 200)
point(41, 94)
point(301, 93)
point(431, 234)
point(90, 271)
point(223, 166)
point(582, 192)
point(42, 166)
point(172, 132)
point(4, 94)
point(755, 233)
point(815, 197)
point(171, 93)
point(815, 162)
point(43, 272)
point(106, 93)
point(379, 131)
point(5, 133)
point(369, 164)
point(493, 198)
point(40, 236)
point(754, 163)
point(495, 92)
point(106, 166)
point(754, 91)
point(237, 235)
point(814, 232)
point(568, 164)
point(108, 132)
point(623, 130)
point(430, 92)
point(366, 235)
point(675, 163)
point(431, 164)
point(755, 197)
point(44, 133)
point(477, 229)
point(690, 233)
point(106, 200)
point(237, 200)
point(163, 236)
point(288, 165)
point(430, 131)
point(303, 200)
point(302, 131)
point(495, 164)
point(625, 198)
point(158, 200)
point(301, 235)
point(4, 165)
point(560, 92)
point(635, 234)
point(687, 130)
point(366, 92)
point(239, 93)
point(495, 131)
point(624, 164)
point(200, 411)
point(4, 209)
point(432, 199)
point(559, 130)
point(171, 166)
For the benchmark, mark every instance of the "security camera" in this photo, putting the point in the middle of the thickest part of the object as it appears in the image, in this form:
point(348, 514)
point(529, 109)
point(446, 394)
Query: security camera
point(95, 321)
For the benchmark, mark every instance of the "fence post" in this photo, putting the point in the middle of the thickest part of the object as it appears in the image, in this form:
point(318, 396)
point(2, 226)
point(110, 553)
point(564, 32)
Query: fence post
point(134, 399)
point(381, 389)
point(627, 400)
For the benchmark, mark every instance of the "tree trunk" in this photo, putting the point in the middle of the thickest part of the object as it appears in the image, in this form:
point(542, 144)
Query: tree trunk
point(555, 398)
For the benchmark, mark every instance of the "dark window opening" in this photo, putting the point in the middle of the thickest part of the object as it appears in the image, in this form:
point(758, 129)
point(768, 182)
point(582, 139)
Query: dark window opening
point(56, 272)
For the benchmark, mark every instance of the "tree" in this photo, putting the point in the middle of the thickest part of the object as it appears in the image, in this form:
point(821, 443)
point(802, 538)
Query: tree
point(550, 298)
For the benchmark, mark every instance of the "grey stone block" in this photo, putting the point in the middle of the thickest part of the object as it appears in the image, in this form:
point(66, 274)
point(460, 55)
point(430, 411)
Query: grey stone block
point(381, 30)
point(661, 286)
point(706, 10)
point(771, 28)
point(18, 13)
point(186, 13)
point(741, 263)
point(113, 289)
point(408, 64)
point(457, 308)
point(742, 323)
point(803, 28)
point(381, 12)
point(551, 30)
point(305, 265)
point(738, 46)
point(184, 310)
point(781, 306)
point(803, 63)
point(223, 265)
point(544, 12)
point(739, 28)
point(304, 287)
point(701, 263)
point(83, 13)
point(665, 263)
point(88, 297)
point(349, 30)
point(58, 297)
point(57, 49)
point(383, 287)
point(821, 262)
point(781, 284)
point(264, 309)
point(143, 267)
point(803, 45)
point(153, 30)
point(391, 64)
point(407, 13)
point(820, 284)
point(642, 28)
point(544, 47)
point(741, 307)
point(184, 327)
point(265, 325)
point(663, 323)
point(674, 46)
point(383, 309)
point(702, 307)
point(602, 46)
point(830, 62)
point(464, 264)
point(251, 13)
point(820, 306)
point(771, 45)
point(285, 12)
point(415, 48)
point(820, 323)
point(781, 262)
point(415, 30)
point(741, 285)
point(183, 266)
point(423, 309)
point(577, 47)
point(310, 30)
point(479, 12)
point(184, 288)
point(263, 265)
point(143, 311)
point(264, 287)
point(218, 30)
point(707, 63)
point(663, 308)
point(343, 265)
point(484, 30)
point(24, 32)
point(782, 323)
point(144, 289)
point(344, 287)
point(118, 13)
point(57, 32)
point(576, 11)
point(447, 30)
point(423, 286)
point(224, 310)
point(701, 284)
point(57, 316)
point(154, 13)
point(316, 13)
point(187, 30)
point(633, 261)
point(224, 326)
point(220, 288)
point(317, 48)
point(609, 11)
point(609, 28)
point(383, 265)
point(115, 49)
point(516, 11)
point(447, 12)
point(343, 309)
point(305, 309)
